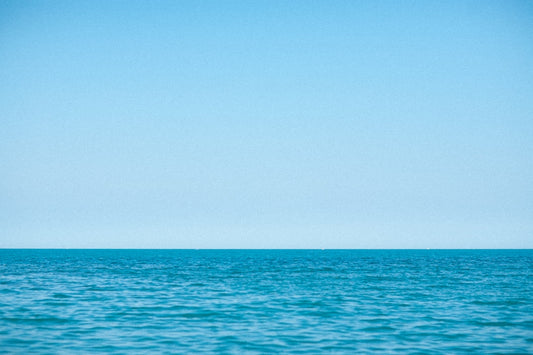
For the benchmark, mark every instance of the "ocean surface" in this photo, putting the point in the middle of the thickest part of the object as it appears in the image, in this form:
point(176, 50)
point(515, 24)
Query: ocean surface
point(266, 301)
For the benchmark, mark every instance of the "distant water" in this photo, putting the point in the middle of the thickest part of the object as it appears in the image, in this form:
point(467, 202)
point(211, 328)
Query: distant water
point(266, 301)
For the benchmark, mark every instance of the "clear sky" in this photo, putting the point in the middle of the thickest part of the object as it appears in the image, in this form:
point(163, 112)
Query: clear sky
point(266, 124)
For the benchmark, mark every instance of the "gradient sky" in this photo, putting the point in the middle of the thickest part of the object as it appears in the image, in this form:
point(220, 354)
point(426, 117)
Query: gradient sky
point(266, 124)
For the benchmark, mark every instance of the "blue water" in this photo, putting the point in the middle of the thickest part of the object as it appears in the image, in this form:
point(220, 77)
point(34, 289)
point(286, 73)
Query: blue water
point(266, 301)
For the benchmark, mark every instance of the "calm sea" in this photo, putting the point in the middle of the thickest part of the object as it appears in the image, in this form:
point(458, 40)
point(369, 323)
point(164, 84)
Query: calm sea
point(266, 301)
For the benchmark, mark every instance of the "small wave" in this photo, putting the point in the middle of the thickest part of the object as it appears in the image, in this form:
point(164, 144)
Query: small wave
point(53, 320)
point(378, 329)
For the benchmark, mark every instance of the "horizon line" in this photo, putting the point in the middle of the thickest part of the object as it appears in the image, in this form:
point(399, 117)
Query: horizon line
point(320, 249)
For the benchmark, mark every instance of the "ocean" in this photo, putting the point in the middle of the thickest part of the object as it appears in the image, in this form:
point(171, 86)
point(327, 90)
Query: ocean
point(266, 301)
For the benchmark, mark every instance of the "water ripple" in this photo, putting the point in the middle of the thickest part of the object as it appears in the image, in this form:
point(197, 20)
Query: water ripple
point(174, 301)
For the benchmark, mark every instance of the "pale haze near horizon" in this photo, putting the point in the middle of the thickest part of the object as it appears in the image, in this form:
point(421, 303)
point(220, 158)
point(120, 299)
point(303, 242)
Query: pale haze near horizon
point(213, 124)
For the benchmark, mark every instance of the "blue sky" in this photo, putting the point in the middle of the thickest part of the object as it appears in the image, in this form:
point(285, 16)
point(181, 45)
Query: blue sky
point(266, 124)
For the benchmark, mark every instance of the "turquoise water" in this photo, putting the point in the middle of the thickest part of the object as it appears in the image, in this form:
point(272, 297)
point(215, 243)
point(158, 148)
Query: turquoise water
point(266, 301)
